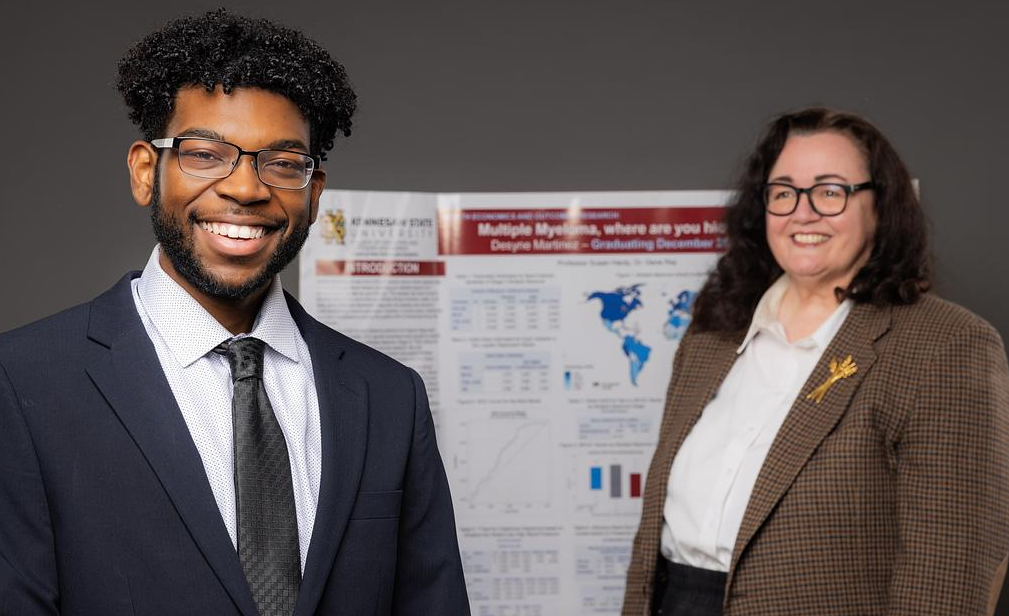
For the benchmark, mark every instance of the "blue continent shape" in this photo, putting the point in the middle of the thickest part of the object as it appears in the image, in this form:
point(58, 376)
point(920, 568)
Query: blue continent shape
point(678, 317)
point(637, 353)
point(617, 305)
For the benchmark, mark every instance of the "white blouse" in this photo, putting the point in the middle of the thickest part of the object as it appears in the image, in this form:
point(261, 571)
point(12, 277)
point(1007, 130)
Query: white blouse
point(715, 469)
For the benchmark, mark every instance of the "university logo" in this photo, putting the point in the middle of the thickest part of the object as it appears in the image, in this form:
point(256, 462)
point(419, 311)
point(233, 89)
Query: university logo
point(334, 226)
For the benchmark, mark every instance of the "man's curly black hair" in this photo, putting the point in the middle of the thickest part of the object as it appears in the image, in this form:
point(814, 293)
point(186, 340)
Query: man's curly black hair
point(222, 48)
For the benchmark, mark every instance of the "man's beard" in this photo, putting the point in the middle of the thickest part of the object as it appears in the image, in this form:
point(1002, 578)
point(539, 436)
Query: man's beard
point(180, 249)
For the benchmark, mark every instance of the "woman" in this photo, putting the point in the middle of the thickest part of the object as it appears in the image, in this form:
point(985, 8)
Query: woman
point(835, 440)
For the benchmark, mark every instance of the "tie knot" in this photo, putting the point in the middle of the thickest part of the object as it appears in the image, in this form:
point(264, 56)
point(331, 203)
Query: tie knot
point(245, 356)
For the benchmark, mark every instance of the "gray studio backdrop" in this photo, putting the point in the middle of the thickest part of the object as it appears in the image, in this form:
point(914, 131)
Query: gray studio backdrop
point(550, 95)
point(516, 96)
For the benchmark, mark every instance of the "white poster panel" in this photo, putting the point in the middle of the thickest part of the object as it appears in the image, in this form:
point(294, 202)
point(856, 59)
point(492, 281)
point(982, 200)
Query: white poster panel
point(544, 325)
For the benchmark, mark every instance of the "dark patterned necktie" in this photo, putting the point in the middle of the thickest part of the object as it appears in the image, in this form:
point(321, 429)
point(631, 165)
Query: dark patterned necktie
point(264, 494)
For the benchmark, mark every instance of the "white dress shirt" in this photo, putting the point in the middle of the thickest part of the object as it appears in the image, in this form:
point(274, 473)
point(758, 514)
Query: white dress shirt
point(184, 335)
point(716, 468)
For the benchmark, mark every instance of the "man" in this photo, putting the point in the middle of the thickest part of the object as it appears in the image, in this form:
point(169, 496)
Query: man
point(191, 441)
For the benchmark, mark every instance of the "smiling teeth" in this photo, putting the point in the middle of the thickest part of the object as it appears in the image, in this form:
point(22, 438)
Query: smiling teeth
point(810, 238)
point(234, 231)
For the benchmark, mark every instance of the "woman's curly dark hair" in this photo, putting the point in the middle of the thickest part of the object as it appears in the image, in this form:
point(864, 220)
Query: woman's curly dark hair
point(222, 48)
point(899, 267)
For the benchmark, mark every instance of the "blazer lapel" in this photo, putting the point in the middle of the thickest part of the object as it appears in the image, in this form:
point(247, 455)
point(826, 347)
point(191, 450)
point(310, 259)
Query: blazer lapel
point(695, 381)
point(809, 422)
point(700, 384)
point(343, 409)
point(129, 375)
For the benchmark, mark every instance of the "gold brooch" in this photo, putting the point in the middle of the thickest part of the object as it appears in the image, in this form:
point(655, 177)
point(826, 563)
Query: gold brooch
point(838, 371)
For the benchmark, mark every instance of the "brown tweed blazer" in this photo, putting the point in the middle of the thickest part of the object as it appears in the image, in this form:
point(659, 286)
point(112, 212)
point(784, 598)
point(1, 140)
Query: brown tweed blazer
point(891, 496)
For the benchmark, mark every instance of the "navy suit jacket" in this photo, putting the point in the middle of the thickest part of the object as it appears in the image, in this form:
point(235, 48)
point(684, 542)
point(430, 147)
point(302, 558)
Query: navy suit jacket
point(105, 508)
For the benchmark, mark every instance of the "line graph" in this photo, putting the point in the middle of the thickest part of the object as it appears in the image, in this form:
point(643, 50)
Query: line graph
point(508, 462)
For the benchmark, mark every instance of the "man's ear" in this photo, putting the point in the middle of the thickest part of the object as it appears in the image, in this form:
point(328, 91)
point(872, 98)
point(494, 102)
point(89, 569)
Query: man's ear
point(142, 160)
point(316, 184)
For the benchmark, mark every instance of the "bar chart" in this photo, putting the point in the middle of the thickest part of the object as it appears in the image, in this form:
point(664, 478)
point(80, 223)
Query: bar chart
point(606, 483)
point(616, 482)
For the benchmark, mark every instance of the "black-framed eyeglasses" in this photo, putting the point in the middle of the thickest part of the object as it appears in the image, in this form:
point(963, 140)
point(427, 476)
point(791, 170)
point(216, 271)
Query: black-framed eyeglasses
point(826, 199)
point(215, 160)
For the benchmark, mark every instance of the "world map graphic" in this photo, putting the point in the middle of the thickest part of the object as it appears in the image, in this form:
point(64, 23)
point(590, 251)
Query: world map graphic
point(619, 304)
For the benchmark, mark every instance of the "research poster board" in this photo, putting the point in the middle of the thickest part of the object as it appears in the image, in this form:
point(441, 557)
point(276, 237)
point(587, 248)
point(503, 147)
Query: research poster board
point(544, 325)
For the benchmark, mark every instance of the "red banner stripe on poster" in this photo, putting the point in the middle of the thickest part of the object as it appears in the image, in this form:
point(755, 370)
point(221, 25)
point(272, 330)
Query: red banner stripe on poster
point(581, 230)
point(379, 268)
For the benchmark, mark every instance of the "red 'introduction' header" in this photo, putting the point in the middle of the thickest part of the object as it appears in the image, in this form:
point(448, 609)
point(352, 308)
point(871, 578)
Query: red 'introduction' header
point(581, 230)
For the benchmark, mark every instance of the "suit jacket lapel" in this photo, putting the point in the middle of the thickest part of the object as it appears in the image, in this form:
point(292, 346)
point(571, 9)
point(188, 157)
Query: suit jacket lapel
point(808, 422)
point(128, 373)
point(343, 409)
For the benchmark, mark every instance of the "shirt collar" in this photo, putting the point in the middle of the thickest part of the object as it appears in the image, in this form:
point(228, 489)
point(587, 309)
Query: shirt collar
point(765, 318)
point(274, 324)
point(190, 332)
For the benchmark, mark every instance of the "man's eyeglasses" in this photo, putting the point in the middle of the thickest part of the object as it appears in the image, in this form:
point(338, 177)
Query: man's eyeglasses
point(212, 159)
point(826, 199)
